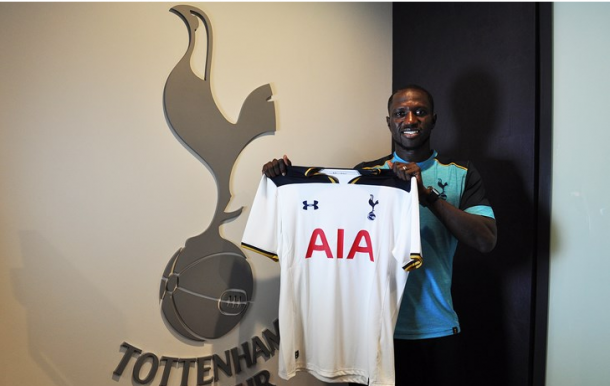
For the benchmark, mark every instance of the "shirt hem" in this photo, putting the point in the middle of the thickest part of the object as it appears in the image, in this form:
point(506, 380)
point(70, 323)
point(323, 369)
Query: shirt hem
point(429, 335)
point(342, 376)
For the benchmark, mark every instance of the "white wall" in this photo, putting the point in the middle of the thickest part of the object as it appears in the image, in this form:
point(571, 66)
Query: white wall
point(579, 313)
point(97, 193)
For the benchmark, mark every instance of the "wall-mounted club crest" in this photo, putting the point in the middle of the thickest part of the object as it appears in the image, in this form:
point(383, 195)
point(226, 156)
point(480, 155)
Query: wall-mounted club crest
point(207, 284)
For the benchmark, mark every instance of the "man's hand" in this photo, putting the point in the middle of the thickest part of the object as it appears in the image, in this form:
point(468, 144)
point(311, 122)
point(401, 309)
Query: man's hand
point(408, 170)
point(276, 167)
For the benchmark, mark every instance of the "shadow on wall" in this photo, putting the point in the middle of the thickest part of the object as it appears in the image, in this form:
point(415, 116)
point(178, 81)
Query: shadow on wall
point(65, 314)
point(495, 323)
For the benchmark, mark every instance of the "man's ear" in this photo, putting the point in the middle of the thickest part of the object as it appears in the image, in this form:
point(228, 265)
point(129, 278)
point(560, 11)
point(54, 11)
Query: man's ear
point(434, 120)
point(387, 121)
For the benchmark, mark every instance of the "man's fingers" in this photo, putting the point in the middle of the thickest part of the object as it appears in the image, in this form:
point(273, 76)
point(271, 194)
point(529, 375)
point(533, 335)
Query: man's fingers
point(276, 167)
point(279, 167)
point(269, 169)
point(406, 171)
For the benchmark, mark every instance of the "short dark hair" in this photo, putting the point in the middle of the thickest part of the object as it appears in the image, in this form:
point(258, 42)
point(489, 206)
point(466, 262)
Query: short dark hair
point(412, 87)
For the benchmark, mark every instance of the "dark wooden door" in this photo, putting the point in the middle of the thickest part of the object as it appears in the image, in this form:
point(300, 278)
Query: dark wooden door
point(484, 65)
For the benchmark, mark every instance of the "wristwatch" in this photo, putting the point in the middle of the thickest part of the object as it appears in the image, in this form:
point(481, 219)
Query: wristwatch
point(431, 197)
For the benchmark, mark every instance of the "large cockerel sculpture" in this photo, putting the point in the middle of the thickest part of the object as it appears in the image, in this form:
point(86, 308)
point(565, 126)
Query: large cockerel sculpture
point(207, 284)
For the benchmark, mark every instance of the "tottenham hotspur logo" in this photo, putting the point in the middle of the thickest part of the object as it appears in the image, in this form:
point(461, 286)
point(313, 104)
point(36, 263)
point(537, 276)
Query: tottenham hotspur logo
point(207, 285)
point(372, 203)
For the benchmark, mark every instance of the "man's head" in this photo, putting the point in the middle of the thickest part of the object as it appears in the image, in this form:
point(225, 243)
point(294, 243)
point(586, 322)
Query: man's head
point(411, 120)
point(413, 87)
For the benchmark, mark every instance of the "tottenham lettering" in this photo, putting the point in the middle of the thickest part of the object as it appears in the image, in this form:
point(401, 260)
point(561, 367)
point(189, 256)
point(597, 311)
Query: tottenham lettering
point(361, 244)
point(230, 363)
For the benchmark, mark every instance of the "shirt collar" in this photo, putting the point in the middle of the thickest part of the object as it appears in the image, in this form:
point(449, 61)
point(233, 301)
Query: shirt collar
point(422, 165)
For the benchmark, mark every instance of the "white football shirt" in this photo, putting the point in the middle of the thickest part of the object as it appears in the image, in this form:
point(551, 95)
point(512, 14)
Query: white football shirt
point(345, 241)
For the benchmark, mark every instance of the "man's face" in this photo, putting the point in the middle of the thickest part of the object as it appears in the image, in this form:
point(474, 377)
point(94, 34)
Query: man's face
point(411, 119)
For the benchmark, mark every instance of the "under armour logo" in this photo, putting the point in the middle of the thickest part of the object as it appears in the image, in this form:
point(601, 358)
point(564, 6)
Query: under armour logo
point(442, 185)
point(372, 203)
point(307, 205)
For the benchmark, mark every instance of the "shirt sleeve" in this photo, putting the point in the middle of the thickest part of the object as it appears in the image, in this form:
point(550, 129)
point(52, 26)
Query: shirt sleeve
point(474, 199)
point(261, 232)
point(411, 247)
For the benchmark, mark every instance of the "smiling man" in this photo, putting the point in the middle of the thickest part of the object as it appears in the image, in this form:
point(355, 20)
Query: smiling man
point(455, 209)
point(411, 120)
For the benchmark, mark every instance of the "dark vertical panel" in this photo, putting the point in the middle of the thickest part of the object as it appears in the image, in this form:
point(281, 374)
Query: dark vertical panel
point(480, 62)
point(544, 157)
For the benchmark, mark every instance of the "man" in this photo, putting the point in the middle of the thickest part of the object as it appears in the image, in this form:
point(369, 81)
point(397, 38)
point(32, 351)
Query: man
point(455, 209)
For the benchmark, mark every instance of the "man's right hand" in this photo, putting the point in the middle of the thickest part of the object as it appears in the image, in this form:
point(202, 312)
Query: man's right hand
point(276, 167)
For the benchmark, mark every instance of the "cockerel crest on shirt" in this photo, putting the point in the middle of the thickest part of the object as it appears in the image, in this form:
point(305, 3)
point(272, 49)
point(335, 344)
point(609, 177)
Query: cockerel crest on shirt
point(372, 203)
